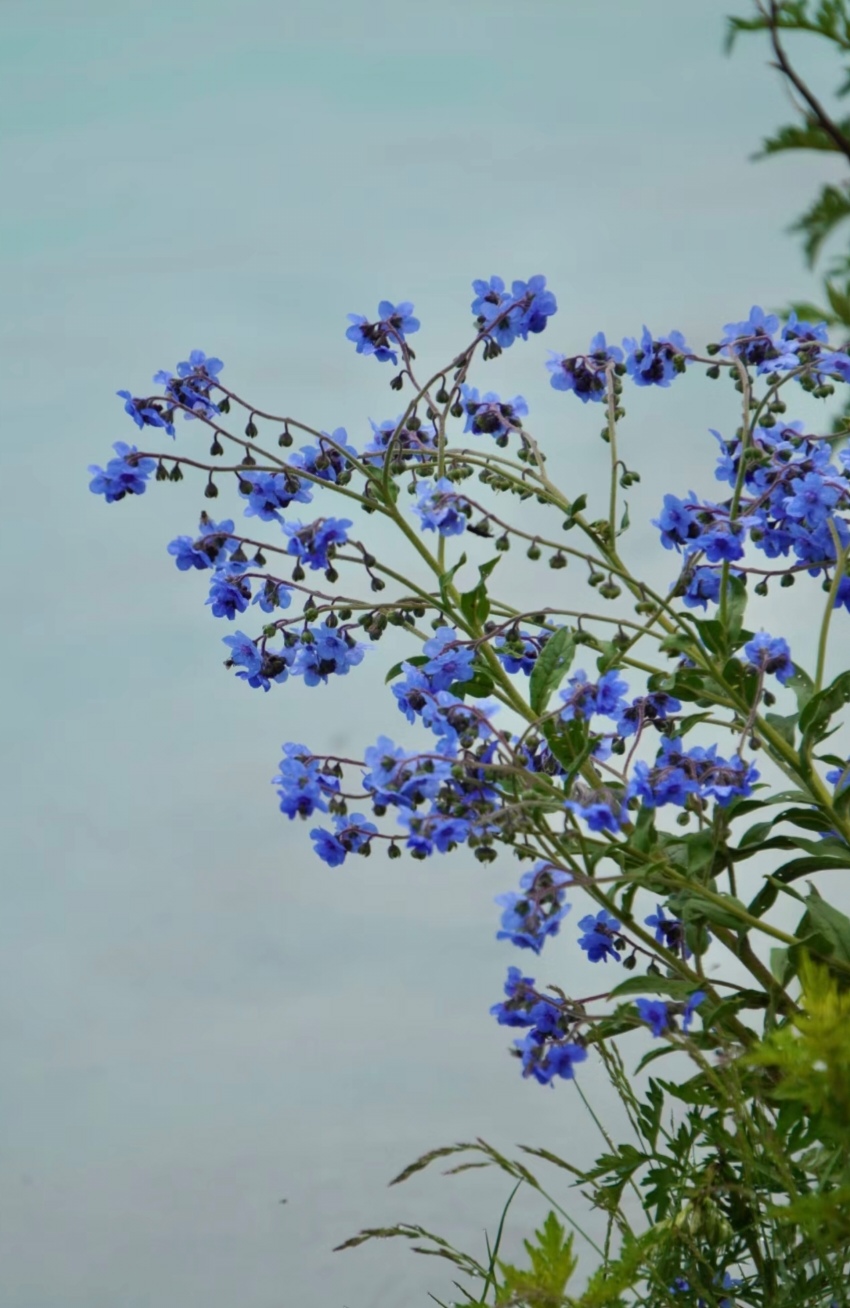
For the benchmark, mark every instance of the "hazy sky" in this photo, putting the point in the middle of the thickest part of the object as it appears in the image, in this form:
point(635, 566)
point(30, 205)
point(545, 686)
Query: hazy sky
point(198, 1018)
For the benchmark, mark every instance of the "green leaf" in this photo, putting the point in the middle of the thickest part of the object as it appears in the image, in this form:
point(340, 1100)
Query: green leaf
point(809, 136)
point(802, 685)
point(736, 604)
point(831, 208)
point(652, 984)
point(785, 725)
point(478, 687)
point(793, 871)
point(416, 659)
point(448, 577)
point(552, 1264)
point(474, 604)
point(829, 922)
point(552, 665)
point(816, 716)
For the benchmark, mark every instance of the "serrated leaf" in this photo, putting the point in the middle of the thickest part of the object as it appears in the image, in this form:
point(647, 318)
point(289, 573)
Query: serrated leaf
point(831, 208)
point(552, 665)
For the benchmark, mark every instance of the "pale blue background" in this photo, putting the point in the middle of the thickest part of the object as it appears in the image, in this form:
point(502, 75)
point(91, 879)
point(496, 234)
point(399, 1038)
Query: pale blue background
point(198, 1018)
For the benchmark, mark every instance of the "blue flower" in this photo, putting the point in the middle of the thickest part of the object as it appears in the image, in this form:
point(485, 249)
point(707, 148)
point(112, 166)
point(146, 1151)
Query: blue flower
point(244, 652)
point(536, 913)
point(770, 654)
point(669, 931)
point(440, 508)
point(448, 661)
point(759, 343)
point(126, 475)
point(352, 836)
point(489, 415)
point(412, 691)
point(599, 814)
point(303, 788)
point(839, 778)
point(325, 460)
point(145, 413)
point(270, 491)
point(316, 544)
point(546, 1061)
point(654, 1013)
point(506, 315)
point(657, 706)
point(329, 651)
point(702, 585)
point(600, 939)
point(395, 323)
point(655, 363)
point(691, 1005)
point(678, 522)
point(228, 596)
point(584, 374)
point(585, 698)
point(813, 499)
point(521, 1000)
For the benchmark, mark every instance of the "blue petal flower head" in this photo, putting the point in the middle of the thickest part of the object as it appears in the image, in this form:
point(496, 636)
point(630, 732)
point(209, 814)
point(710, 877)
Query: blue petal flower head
point(303, 788)
point(521, 999)
point(600, 937)
point(654, 1013)
point(599, 814)
point(723, 542)
point(657, 706)
point(244, 652)
point(200, 365)
point(325, 460)
point(490, 415)
point(411, 443)
point(839, 778)
point(770, 654)
point(580, 699)
point(316, 543)
point(585, 698)
point(145, 413)
point(669, 931)
point(691, 1006)
point(702, 586)
point(678, 522)
point(268, 492)
point(797, 329)
point(655, 362)
point(352, 836)
point(758, 342)
point(610, 690)
point(184, 550)
point(191, 387)
point(125, 475)
point(262, 666)
point(395, 323)
point(448, 662)
point(536, 913)
point(813, 498)
point(545, 1061)
point(412, 692)
point(228, 595)
point(584, 374)
point(535, 306)
point(441, 508)
point(330, 651)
